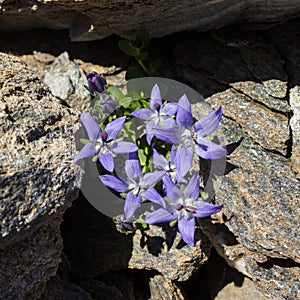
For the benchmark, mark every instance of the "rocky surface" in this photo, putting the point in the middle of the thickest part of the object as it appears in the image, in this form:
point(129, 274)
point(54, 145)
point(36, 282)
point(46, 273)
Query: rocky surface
point(258, 93)
point(90, 20)
point(113, 251)
point(254, 75)
point(38, 181)
point(162, 288)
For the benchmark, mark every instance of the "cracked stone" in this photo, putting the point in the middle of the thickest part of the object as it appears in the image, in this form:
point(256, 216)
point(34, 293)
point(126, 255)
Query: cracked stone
point(295, 126)
point(267, 128)
point(38, 181)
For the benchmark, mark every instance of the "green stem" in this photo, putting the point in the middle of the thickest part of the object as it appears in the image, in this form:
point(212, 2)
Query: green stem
point(144, 68)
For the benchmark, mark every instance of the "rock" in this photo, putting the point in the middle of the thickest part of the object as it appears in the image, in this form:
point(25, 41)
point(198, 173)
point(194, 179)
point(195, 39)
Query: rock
point(92, 243)
point(100, 290)
point(27, 264)
point(295, 127)
point(227, 283)
point(260, 235)
point(161, 249)
point(38, 180)
point(93, 250)
point(91, 20)
point(59, 289)
point(66, 81)
point(164, 289)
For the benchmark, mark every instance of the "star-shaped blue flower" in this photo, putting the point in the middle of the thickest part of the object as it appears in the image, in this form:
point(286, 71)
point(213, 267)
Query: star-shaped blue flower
point(103, 143)
point(183, 206)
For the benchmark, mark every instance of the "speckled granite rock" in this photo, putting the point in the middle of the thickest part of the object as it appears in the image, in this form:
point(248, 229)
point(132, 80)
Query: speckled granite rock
point(275, 278)
point(295, 126)
point(164, 289)
point(91, 20)
point(255, 77)
point(161, 249)
point(37, 182)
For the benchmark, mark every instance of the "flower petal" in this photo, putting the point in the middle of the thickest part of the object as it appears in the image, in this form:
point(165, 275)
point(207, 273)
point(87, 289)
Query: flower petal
point(209, 150)
point(171, 190)
point(169, 109)
point(91, 126)
point(149, 131)
point(143, 114)
point(208, 124)
point(132, 203)
point(87, 150)
point(184, 160)
point(113, 128)
point(152, 195)
point(159, 216)
point(123, 147)
point(186, 227)
point(152, 178)
point(107, 161)
point(205, 209)
point(133, 166)
point(168, 135)
point(184, 114)
point(192, 189)
point(167, 123)
point(155, 97)
point(114, 182)
point(159, 160)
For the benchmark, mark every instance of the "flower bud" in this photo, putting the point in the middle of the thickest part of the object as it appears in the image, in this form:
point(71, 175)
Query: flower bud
point(96, 82)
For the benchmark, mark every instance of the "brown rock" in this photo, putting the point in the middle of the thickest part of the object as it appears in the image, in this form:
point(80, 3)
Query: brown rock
point(38, 180)
point(161, 249)
point(295, 127)
point(90, 20)
point(164, 289)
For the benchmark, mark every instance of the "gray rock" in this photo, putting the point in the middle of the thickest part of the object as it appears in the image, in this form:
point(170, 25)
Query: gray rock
point(38, 181)
point(255, 77)
point(26, 265)
point(66, 81)
point(92, 20)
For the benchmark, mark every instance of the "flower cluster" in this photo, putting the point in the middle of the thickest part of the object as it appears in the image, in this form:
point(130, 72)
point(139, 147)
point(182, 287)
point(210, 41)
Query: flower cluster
point(158, 165)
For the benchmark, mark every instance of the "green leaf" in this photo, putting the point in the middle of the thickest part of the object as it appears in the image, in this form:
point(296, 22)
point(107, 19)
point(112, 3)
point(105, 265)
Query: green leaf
point(142, 157)
point(142, 55)
point(155, 65)
point(95, 158)
point(140, 224)
point(84, 141)
point(173, 223)
point(128, 48)
point(142, 38)
point(113, 90)
point(209, 137)
point(125, 102)
point(133, 72)
point(204, 195)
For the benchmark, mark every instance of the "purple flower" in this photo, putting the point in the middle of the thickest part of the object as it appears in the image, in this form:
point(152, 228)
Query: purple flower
point(157, 115)
point(135, 184)
point(108, 104)
point(190, 136)
point(182, 206)
point(102, 143)
point(96, 82)
point(175, 166)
